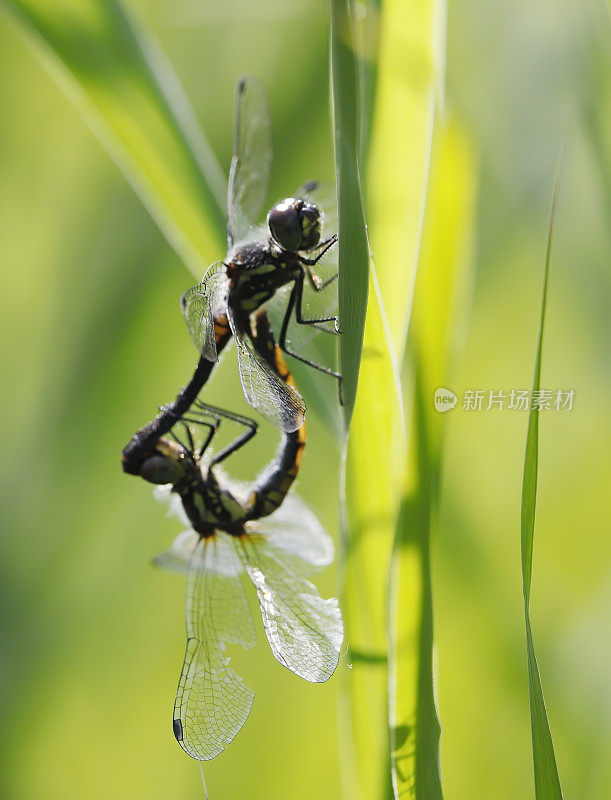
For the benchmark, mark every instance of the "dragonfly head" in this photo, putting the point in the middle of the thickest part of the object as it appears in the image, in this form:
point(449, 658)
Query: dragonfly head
point(294, 224)
point(168, 462)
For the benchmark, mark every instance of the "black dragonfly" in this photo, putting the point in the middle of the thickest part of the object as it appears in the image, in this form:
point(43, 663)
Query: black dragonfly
point(231, 529)
point(272, 264)
point(293, 250)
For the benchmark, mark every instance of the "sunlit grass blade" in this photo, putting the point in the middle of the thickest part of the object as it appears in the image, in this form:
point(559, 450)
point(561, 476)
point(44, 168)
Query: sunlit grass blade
point(375, 462)
point(116, 77)
point(410, 73)
point(376, 457)
point(440, 306)
point(547, 781)
point(353, 245)
point(367, 33)
point(410, 70)
point(375, 450)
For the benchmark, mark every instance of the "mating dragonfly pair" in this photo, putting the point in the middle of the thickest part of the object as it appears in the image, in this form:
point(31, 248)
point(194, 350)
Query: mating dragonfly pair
point(271, 272)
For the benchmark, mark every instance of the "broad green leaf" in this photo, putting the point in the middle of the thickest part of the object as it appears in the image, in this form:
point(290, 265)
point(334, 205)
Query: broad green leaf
point(121, 84)
point(547, 781)
point(410, 71)
point(440, 303)
point(353, 245)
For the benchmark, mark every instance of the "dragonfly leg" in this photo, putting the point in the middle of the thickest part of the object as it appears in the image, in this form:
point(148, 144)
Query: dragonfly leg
point(176, 439)
point(319, 286)
point(295, 299)
point(200, 416)
point(299, 312)
point(186, 422)
point(250, 425)
point(316, 282)
point(324, 246)
point(170, 414)
point(189, 436)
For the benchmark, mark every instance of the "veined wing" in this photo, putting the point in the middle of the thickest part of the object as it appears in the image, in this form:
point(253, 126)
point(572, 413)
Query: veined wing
point(164, 494)
point(199, 305)
point(212, 702)
point(177, 557)
point(279, 403)
point(295, 530)
point(252, 159)
point(304, 631)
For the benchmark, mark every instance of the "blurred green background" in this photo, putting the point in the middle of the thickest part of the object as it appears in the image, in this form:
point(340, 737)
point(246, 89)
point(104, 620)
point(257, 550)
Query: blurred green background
point(92, 340)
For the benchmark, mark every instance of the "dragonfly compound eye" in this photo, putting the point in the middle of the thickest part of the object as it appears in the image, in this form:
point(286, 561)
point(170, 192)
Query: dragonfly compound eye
point(309, 218)
point(161, 469)
point(284, 222)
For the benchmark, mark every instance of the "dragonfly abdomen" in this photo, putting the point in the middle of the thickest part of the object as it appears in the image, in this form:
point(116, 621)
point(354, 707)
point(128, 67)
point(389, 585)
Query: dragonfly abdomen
point(273, 485)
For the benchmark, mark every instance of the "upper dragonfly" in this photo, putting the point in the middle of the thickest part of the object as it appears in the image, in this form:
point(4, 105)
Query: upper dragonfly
point(276, 540)
point(297, 238)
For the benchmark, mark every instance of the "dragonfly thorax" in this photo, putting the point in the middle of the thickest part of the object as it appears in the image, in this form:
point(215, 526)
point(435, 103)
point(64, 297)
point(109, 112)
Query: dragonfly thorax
point(251, 255)
point(255, 279)
point(209, 506)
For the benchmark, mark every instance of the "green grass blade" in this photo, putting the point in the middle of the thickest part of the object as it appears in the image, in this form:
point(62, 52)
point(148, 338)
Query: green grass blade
point(375, 451)
point(414, 725)
point(118, 80)
point(547, 780)
point(375, 462)
point(410, 70)
point(440, 304)
point(367, 32)
point(396, 188)
point(353, 245)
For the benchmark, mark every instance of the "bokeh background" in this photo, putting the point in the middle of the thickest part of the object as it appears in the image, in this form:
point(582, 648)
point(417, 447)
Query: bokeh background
point(92, 340)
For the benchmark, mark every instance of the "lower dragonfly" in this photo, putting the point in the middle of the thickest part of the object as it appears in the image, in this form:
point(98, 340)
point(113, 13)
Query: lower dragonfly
point(275, 539)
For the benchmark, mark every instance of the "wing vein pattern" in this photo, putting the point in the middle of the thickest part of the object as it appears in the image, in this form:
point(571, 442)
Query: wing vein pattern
point(304, 630)
point(278, 402)
point(212, 701)
point(252, 159)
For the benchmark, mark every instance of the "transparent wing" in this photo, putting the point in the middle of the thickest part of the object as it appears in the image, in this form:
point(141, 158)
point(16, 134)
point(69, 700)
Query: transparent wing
point(178, 557)
point(255, 233)
point(296, 531)
point(164, 494)
point(252, 159)
point(199, 305)
point(304, 631)
point(279, 403)
point(212, 702)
